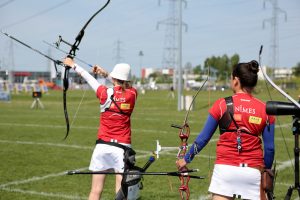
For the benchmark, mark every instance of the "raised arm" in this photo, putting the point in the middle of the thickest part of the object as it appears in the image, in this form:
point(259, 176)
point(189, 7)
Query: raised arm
point(84, 74)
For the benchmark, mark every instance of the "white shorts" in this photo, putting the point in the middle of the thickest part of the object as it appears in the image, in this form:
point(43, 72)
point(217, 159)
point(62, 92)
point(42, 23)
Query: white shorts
point(107, 157)
point(242, 182)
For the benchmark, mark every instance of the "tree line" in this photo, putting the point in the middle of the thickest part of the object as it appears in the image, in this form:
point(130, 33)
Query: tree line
point(222, 64)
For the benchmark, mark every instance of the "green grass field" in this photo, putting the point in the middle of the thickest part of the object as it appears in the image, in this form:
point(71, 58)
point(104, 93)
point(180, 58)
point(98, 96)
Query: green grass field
point(34, 157)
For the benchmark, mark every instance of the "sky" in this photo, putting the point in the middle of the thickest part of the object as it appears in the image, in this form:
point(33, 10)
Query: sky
point(213, 28)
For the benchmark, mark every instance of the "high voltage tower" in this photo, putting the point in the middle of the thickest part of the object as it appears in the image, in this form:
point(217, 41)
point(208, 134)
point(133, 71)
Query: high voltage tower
point(172, 55)
point(118, 58)
point(273, 21)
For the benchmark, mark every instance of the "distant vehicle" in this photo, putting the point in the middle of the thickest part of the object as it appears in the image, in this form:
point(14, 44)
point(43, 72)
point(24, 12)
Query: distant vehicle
point(211, 87)
point(222, 87)
point(194, 85)
point(153, 85)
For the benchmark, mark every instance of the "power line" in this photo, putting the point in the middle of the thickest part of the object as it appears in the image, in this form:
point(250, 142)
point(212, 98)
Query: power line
point(6, 3)
point(35, 15)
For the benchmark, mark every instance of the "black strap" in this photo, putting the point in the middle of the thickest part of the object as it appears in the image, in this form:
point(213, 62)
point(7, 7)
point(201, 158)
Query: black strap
point(99, 141)
point(227, 117)
point(236, 125)
point(120, 110)
point(242, 131)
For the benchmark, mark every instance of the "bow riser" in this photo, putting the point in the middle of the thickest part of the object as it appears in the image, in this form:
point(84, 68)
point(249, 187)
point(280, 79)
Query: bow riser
point(184, 133)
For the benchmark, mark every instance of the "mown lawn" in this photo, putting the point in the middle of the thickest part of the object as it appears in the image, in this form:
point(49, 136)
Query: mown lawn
point(34, 157)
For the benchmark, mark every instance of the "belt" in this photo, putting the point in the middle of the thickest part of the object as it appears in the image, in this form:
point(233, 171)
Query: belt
point(259, 168)
point(112, 143)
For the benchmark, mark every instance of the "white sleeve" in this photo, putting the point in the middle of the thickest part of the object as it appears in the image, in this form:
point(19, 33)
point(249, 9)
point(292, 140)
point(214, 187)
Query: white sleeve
point(87, 76)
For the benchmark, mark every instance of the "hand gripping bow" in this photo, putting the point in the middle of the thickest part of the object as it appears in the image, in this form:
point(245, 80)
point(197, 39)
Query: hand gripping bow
point(184, 133)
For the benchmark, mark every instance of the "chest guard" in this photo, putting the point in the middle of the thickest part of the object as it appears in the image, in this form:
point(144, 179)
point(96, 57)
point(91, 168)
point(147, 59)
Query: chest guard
point(107, 103)
point(110, 99)
point(227, 117)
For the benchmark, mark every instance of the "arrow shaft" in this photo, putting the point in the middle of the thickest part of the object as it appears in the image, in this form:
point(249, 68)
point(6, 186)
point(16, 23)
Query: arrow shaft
point(185, 173)
point(33, 49)
point(53, 46)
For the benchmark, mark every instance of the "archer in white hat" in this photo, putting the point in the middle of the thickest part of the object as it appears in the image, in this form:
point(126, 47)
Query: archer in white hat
point(114, 132)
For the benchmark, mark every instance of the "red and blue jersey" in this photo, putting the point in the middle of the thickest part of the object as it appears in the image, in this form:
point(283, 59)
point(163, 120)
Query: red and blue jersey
point(249, 114)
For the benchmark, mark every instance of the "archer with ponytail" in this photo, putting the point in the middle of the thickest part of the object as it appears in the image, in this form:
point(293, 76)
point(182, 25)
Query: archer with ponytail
point(243, 126)
point(113, 145)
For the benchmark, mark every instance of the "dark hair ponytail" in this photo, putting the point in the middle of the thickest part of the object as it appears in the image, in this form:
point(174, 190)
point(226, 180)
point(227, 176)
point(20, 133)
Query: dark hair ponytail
point(247, 73)
point(254, 66)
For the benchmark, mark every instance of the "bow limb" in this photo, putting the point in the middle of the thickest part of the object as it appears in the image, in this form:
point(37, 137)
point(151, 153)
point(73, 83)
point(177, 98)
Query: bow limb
point(65, 89)
point(190, 106)
point(72, 54)
point(274, 85)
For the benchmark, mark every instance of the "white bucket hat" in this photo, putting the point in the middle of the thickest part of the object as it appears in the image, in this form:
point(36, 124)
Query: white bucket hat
point(121, 71)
